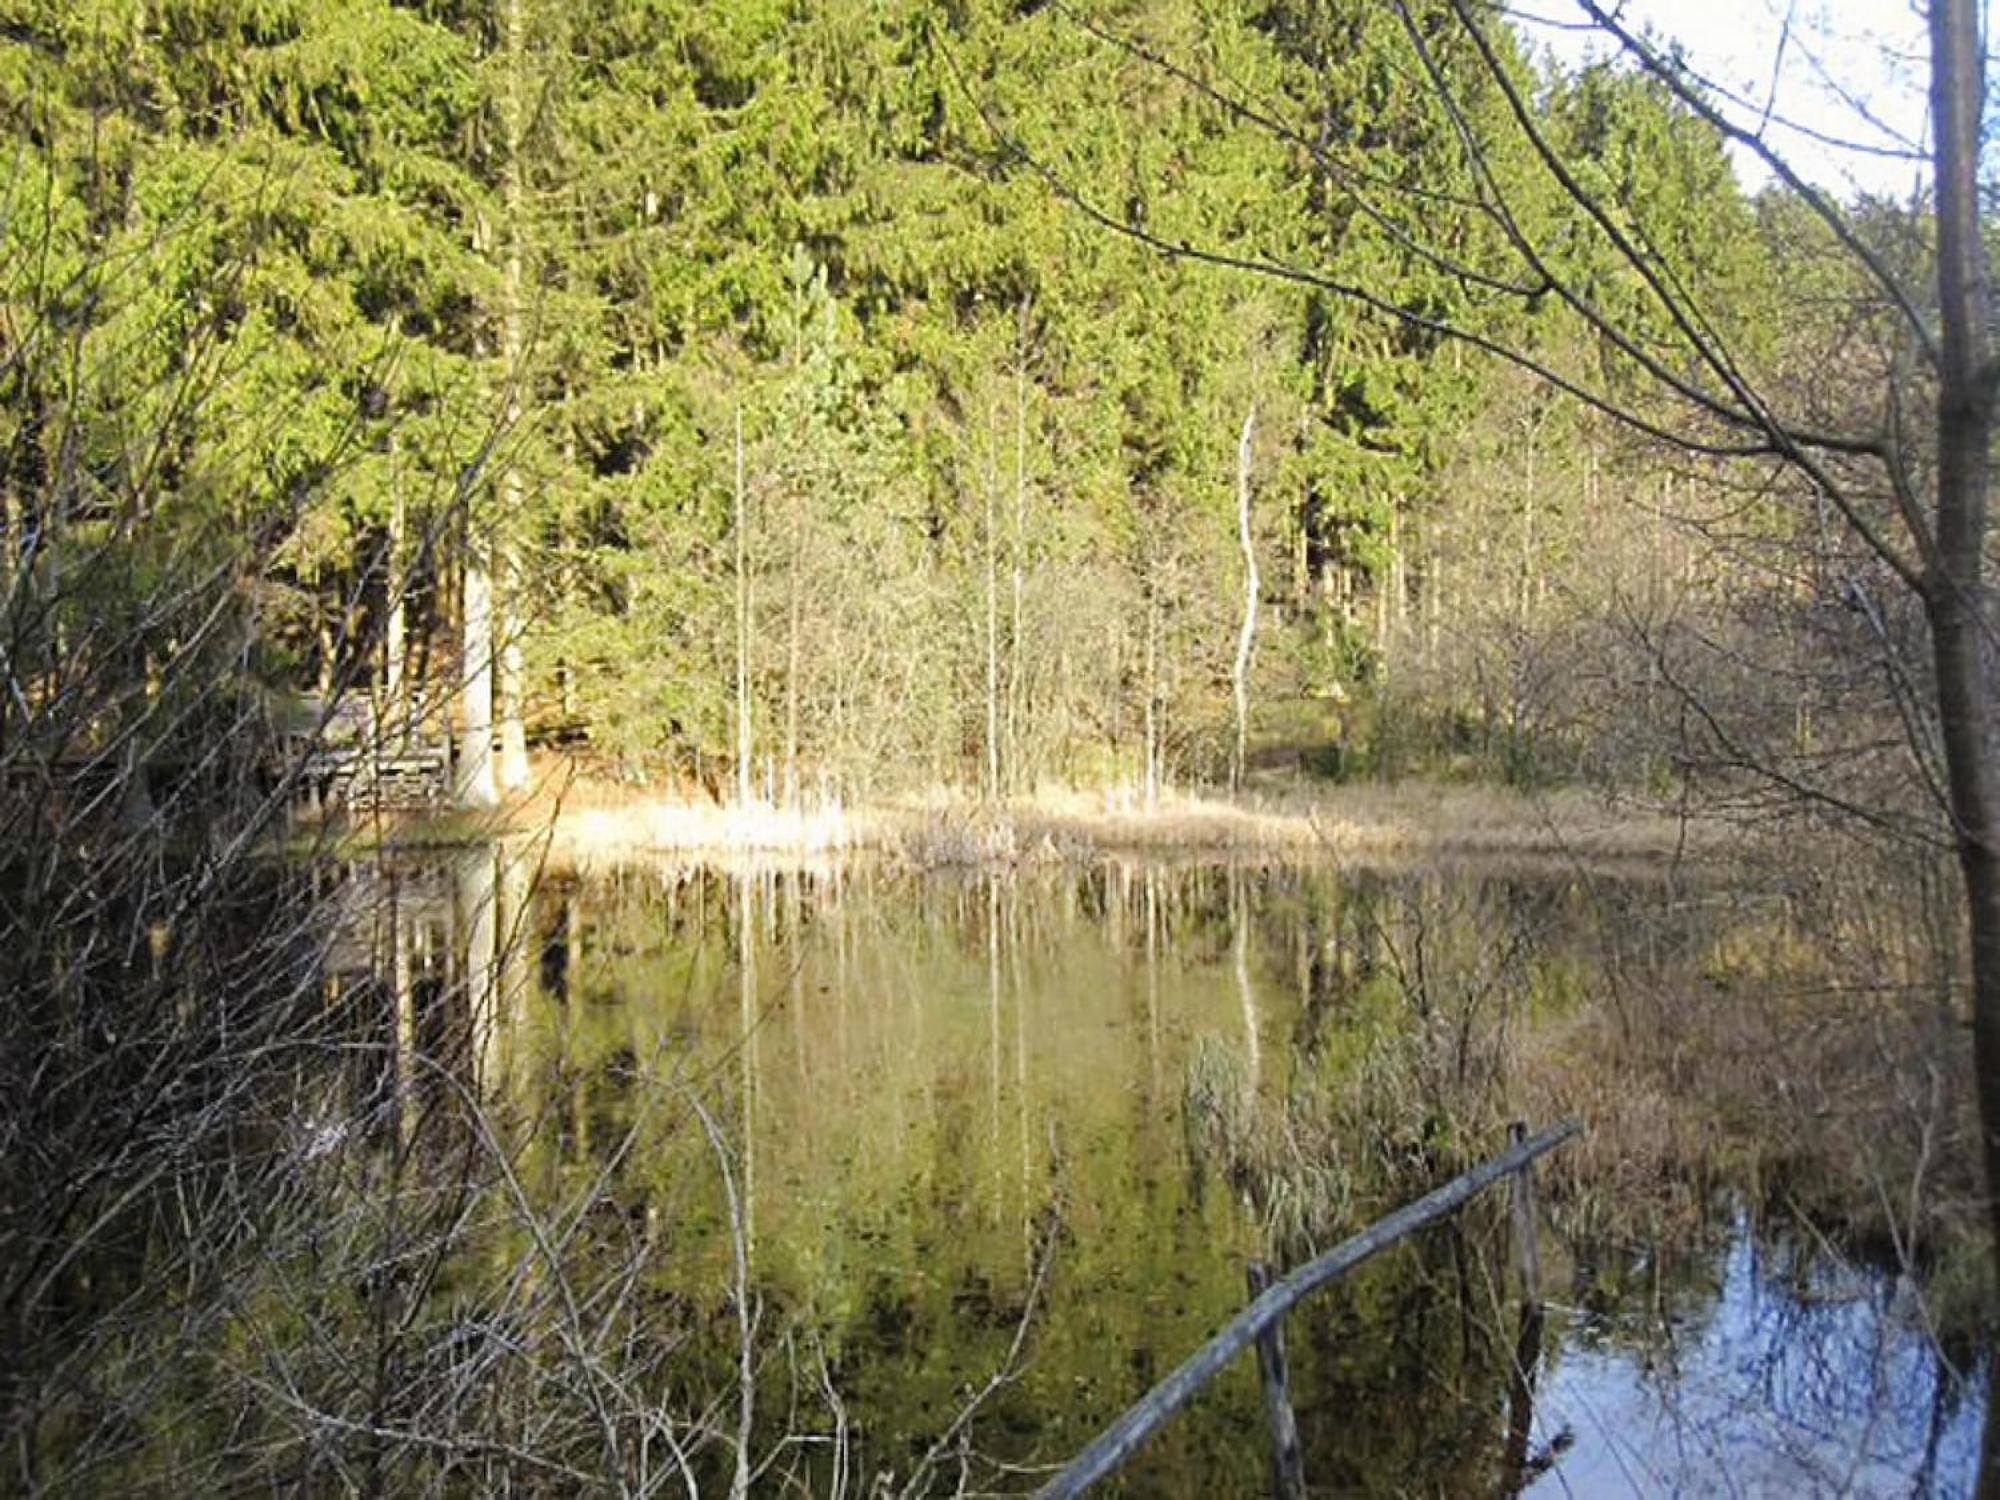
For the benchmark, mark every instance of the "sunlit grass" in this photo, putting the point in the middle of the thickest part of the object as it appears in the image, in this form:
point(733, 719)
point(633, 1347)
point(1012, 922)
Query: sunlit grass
point(945, 828)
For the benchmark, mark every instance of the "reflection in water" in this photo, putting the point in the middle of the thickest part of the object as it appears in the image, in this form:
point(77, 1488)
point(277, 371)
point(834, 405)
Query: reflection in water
point(1239, 950)
point(1794, 1379)
point(746, 1042)
point(934, 1085)
point(477, 893)
point(1526, 1366)
point(1515, 1468)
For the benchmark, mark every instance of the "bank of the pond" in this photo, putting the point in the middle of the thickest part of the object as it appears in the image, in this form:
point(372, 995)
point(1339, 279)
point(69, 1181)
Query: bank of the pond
point(590, 821)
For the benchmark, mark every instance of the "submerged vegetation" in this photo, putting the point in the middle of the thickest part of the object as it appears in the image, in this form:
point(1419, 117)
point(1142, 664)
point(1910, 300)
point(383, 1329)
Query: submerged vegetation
point(958, 530)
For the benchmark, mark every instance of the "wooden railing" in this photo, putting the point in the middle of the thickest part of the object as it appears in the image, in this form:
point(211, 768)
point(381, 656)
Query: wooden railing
point(1259, 1322)
point(409, 775)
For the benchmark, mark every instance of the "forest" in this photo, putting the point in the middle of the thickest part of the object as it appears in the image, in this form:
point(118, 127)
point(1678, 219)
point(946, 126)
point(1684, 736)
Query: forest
point(418, 414)
point(744, 375)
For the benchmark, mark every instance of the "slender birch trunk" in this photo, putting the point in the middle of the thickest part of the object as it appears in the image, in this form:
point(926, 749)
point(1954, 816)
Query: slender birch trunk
point(745, 792)
point(1246, 638)
point(792, 628)
point(991, 785)
point(396, 585)
point(475, 782)
point(1152, 773)
point(512, 770)
point(1016, 622)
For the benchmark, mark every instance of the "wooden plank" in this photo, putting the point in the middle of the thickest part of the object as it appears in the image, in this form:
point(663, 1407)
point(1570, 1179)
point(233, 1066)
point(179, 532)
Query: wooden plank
point(1288, 1470)
point(1115, 1444)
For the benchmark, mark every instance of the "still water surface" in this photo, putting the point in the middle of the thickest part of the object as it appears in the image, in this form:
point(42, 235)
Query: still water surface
point(1006, 1142)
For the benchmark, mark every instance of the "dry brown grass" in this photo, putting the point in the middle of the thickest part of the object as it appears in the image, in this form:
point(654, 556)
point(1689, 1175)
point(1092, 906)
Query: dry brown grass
point(594, 822)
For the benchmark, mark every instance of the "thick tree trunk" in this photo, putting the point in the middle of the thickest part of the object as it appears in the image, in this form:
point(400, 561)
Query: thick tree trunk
point(1955, 593)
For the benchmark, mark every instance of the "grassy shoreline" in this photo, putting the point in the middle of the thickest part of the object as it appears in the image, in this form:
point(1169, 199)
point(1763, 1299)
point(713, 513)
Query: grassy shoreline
point(591, 822)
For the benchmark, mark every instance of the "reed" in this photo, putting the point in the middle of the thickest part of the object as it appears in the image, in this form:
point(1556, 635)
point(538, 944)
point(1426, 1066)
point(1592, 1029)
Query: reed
point(596, 822)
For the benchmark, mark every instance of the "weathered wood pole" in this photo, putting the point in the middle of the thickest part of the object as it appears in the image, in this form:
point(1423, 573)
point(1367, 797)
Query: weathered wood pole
point(1288, 1474)
point(1528, 1341)
point(1527, 1239)
point(1115, 1444)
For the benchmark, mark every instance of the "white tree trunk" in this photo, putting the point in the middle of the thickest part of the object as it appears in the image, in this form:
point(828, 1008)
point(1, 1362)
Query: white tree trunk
point(991, 787)
point(745, 791)
point(476, 786)
point(1246, 638)
point(1016, 625)
point(395, 720)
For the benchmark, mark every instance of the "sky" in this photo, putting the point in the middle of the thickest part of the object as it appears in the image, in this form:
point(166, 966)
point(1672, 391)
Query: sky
point(1837, 87)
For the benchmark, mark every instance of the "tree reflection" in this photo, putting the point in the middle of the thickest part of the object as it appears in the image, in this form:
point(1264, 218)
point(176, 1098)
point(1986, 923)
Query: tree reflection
point(937, 1103)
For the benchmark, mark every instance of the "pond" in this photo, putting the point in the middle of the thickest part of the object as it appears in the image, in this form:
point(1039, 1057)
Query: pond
point(863, 1180)
point(990, 1152)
